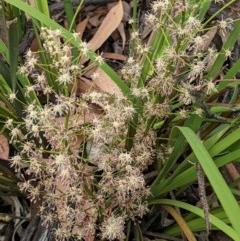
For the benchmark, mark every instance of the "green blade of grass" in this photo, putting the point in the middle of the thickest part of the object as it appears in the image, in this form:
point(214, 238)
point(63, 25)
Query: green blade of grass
point(205, 4)
point(42, 6)
point(70, 14)
point(4, 51)
point(196, 223)
point(225, 143)
point(32, 97)
point(232, 71)
point(5, 114)
point(13, 48)
point(138, 233)
point(217, 66)
point(189, 176)
point(157, 44)
point(71, 17)
point(209, 143)
point(179, 145)
point(199, 212)
point(214, 176)
point(5, 91)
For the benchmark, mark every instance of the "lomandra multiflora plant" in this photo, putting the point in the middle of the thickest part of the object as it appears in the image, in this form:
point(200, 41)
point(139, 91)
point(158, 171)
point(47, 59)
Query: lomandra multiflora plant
point(74, 160)
point(85, 167)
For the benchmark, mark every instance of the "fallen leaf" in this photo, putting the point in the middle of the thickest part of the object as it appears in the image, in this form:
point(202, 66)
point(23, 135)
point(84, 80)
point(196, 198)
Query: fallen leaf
point(96, 20)
point(126, 17)
point(115, 56)
point(109, 24)
point(207, 37)
point(233, 172)
point(4, 148)
point(85, 84)
point(34, 45)
point(105, 83)
point(122, 34)
point(81, 26)
point(115, 35)
point(126, 10)
point(224, 36)
point(146, 31)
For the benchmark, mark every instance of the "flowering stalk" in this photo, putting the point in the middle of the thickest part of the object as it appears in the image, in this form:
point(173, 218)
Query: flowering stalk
point(78, 158)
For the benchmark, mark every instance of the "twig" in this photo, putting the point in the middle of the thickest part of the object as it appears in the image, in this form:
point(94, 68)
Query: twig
point(211, 114)
point(203, 197)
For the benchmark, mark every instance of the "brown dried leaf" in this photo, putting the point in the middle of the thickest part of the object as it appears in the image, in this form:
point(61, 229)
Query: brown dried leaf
point(115, 56)
point(34, 45)
point(146, 31)
point(122, 33)
point(84, 84)
point(151, 36)
point(96, 20)
point(126, 17)
point(109, 24)
point(210, 34)
point(126, 10)
point(81, 26)
point(92, 11)
point(105, 83)
point(4, 147)
point(115, 35)
point(233, 172)
point(224, 36)
point(208, 37)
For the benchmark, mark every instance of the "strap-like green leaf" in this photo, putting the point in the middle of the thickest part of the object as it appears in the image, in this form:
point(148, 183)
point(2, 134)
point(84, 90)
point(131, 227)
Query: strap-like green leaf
point(234, 234)
point(223, 192)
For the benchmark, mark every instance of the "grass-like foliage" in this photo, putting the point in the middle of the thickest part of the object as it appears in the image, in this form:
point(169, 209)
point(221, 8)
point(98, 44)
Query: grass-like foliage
point(100, 164)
